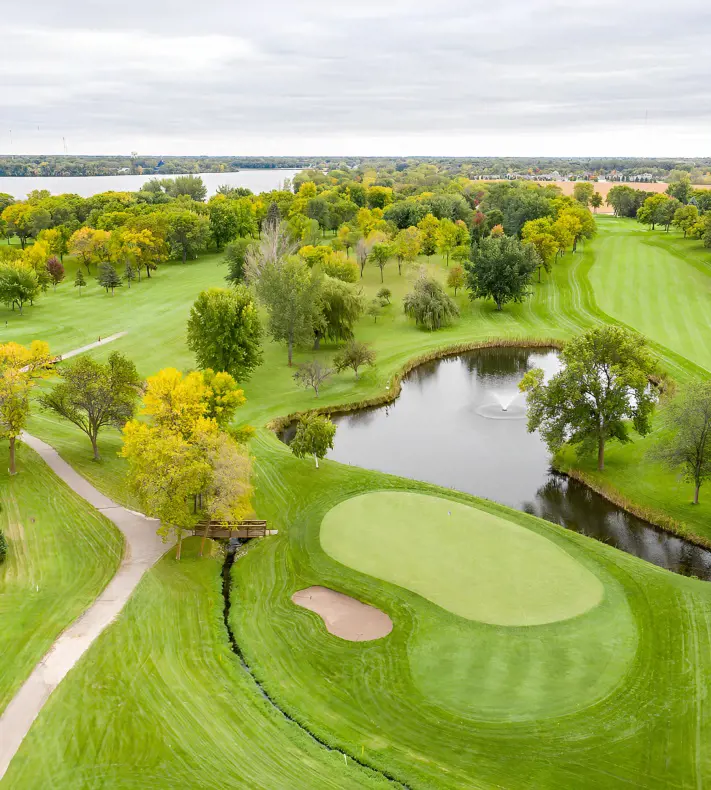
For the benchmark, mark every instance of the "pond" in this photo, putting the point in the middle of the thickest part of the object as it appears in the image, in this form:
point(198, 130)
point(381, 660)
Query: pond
point(460, 422)
point(258, 180)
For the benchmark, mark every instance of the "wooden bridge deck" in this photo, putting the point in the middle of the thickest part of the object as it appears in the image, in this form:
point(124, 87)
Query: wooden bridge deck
point(244, 529)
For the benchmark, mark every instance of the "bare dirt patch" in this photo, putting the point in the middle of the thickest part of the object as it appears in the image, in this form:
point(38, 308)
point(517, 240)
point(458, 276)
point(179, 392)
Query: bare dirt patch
point(344, 616)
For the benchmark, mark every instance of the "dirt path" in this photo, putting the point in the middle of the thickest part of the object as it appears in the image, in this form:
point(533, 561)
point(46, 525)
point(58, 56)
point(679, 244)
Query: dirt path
point(143, 549)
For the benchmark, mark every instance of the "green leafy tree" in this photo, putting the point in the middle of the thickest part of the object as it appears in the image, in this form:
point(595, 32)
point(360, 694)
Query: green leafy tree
point(428, 227)
point(92, 395)
point(429, 305)
point(339, 307)
point(456, 278)
point(603, 384)
point(19, 284)
point(187, 233)
point(290, 294)
point(314, 436)
point(685, 217)
point(354, 355)
point(406, 246)
point(223, 220)
point(596, 201)
point(501, 270)
point(129, 272)
point(681, 189)
point(384, 295)
point(447, 238)
point(583, 192)
point(236, 258)
point(192, 186)
point(654, 210)
point(380, 255)
point(686, 445)
point(224, 331)
point(374, 309)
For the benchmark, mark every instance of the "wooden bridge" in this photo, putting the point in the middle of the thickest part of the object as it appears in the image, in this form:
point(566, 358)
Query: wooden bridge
point(250, 528)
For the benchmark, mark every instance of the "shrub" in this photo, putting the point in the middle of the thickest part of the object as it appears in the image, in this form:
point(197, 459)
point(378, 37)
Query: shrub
point(3, 547)
point(339, 267)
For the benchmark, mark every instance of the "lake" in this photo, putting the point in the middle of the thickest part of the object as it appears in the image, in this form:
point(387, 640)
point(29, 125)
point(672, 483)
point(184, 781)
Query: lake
point(257, 180)
point(460, 422)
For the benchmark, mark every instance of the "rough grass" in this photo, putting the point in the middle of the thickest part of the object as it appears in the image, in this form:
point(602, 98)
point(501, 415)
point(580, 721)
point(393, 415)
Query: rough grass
point(474, 564)
point(61, 554)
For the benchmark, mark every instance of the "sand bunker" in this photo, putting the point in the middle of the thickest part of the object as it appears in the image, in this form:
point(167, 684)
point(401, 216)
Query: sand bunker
point(343, 616)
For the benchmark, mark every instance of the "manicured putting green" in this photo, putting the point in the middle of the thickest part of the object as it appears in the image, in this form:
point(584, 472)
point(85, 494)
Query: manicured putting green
point(470, 562)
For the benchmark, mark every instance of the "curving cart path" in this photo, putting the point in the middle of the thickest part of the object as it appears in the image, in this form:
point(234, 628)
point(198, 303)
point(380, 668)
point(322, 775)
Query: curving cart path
point(143, 549)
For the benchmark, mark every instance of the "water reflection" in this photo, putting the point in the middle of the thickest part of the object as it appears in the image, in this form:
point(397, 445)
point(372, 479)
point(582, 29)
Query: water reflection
point(446, 428)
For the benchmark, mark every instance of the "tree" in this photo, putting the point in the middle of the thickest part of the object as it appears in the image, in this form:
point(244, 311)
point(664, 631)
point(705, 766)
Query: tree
point(224, 331)
point(290, 292)
point(456, 278)
point(654, 210)
point(222, 396)
point(685, 217)
point(447, 237)
point(235, 258)
point(175, 402)
point(339, 267)
point(428, 227)
point(374, 309)
point(384, 295)
point(129, 272)
point(93, 395)
point(19, 284)
point(583, 192)
point(681, 189)
point(380, 255)
point(429, 305)
point(362, 251)
point(223, 220)
point(56, 240)
point(312, 374)
point(166, 472)
point(187, 233)
point(56, 271)
point(339, 307)
point(108, 277)
point(604, 382)
point(406, 246)
point(273, 217)
point(144, 247)
point(314, 436)
point(228, 491)
point(539, 233)
point(25, 221)
point(19, 366)
point(354, 355)
point(687, 443)
point(90, 246)
point(79, 281)
point(596, 201)
point(192, 186)
point(501, 270)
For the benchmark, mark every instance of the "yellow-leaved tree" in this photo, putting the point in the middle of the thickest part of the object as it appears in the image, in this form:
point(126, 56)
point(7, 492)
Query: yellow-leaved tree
point(181, 454)
point(19, 367)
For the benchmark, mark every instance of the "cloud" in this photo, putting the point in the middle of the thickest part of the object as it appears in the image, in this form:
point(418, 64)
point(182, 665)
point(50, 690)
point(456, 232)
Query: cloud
point(467, 78)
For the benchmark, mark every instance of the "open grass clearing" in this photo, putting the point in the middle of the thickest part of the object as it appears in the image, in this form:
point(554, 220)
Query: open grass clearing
point(472, 563)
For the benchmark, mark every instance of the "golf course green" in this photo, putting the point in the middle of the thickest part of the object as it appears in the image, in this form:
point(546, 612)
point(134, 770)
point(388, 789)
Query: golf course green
point(474, 564)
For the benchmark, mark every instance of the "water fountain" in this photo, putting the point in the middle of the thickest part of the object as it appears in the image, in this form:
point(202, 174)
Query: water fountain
point(505, 407)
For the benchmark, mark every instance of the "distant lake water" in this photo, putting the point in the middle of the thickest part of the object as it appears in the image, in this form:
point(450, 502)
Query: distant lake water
point(262, 180)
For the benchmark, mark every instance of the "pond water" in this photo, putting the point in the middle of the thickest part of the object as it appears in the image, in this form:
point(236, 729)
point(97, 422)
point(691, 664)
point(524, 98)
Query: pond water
point(460, 422)
point(257, 180)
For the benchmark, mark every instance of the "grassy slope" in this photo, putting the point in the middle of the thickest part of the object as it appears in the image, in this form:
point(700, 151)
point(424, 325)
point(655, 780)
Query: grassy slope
point(61, 555)
point(170, 707)
point(471, 563)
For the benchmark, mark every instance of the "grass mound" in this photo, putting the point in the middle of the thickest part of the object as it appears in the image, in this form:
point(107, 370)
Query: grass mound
point(473, 563)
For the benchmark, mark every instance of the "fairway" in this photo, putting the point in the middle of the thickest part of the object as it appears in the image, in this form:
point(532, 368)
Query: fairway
point(656, 283)
point(470, 562)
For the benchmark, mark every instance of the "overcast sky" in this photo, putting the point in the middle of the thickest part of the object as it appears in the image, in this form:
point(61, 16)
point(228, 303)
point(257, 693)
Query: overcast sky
point(300, 77)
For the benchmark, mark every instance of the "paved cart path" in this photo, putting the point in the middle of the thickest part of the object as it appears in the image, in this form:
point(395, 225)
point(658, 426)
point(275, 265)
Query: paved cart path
point(143, 549)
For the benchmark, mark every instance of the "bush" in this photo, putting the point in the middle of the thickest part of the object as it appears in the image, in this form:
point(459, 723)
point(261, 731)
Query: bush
point(3, 547)
point(340, 268)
